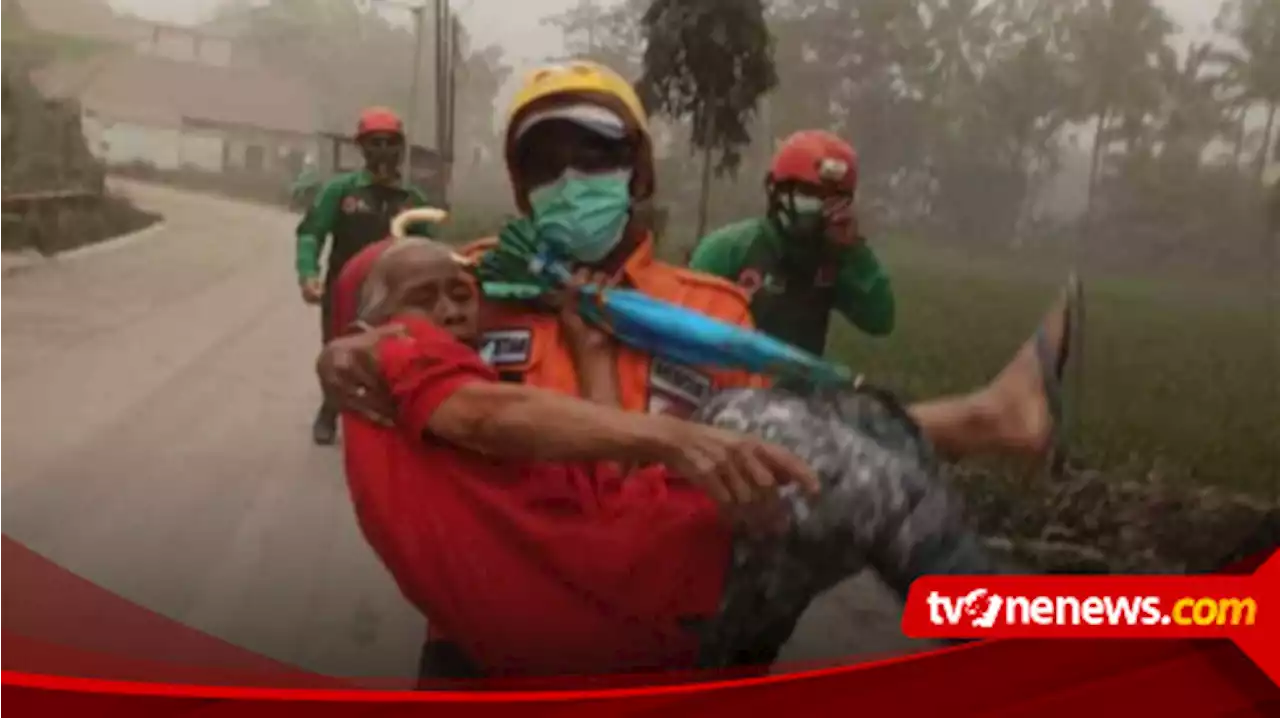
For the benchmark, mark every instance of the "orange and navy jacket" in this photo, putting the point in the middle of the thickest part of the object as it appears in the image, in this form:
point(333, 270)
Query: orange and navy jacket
point(524, 344)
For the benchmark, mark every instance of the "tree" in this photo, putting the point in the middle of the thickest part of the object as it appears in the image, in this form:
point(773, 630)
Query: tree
point(965, 113)
point(1254, 65)
point(1163, 198)
point(611, 34)
point(481, 74)
point(708, 61)
point(608, 35)
point(1116, 44)
point(1194, 109)
point(954, 106)
point(994, 92)
point(1000, 124)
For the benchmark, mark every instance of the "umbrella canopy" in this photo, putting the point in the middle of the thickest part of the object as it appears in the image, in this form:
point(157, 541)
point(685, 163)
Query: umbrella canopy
point(688, 337)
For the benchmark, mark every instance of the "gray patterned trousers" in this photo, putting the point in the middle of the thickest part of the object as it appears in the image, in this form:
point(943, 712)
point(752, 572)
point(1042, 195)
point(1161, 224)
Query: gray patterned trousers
point(884, 504)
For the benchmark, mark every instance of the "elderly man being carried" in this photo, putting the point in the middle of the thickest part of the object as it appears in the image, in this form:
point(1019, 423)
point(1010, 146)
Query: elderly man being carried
point(506, 515)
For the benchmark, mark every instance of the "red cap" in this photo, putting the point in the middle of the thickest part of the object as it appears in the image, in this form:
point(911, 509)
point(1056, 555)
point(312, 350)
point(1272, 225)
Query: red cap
point(379, 119)
point(816, 158)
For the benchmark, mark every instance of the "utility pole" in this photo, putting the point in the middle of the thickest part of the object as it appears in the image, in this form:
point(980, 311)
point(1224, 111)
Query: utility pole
point(590, 7)
point(412, 113)
point(446, 29)
point(442, 58)
point(455, 56)
point(448, 34)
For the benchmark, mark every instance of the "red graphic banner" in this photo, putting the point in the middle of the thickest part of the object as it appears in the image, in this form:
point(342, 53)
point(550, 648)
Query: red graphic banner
point(70, 647)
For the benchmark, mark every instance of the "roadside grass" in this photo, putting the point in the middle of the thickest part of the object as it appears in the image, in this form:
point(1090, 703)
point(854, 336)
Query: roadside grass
point(1180, 377)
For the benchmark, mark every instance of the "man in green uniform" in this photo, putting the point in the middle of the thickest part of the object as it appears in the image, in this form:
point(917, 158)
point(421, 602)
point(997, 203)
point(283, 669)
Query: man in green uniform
point(805, 257)
point(356, 208)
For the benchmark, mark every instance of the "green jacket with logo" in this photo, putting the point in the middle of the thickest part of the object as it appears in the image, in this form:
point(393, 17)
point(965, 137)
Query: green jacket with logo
point(357, 212)
point(793, 302)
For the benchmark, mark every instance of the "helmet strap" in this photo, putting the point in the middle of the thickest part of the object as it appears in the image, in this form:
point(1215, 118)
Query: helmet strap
point(800, 251)
point(782, 207)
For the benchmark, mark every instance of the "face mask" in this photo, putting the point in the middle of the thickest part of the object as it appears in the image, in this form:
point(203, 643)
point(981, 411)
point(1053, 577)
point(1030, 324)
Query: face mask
point(804, 227)
point(383, 162)
point(808, 219)
point(583, 215)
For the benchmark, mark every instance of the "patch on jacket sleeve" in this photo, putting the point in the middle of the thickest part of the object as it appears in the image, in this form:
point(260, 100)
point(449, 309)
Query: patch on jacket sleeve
point(676, 389)
point(506, 347)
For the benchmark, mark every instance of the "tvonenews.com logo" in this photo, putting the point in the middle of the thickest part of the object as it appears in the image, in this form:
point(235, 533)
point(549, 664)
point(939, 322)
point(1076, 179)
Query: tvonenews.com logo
point(1237, 607)
point(981, 608)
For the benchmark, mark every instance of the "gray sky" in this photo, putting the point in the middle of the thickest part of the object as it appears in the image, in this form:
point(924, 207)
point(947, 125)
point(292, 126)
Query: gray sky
point(514, 24)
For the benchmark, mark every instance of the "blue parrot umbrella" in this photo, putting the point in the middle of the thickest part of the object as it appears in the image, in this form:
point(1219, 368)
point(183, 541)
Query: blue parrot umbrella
point(675, 333)
point(687, 337)
point(524, 268)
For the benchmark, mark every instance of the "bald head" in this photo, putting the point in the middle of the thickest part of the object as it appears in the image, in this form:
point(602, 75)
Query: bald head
point(419, 277)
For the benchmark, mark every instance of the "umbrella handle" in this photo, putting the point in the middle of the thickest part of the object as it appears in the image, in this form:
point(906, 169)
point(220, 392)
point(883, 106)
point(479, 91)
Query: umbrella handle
point(432, 215)
point(546, 265)
point(400, 225)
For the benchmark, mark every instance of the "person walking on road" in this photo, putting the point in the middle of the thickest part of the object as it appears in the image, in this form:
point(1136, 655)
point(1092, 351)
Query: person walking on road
point(805, 258)
point(356, 209)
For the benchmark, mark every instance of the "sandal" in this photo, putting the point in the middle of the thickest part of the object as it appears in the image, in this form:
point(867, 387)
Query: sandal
point(1053, 368)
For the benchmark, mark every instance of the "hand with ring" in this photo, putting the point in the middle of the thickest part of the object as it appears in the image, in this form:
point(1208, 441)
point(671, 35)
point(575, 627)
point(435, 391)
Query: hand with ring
point(349, 375)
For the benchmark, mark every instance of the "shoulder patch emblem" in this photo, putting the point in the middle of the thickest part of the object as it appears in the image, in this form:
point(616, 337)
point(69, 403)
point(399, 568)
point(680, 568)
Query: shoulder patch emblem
point(675, 389)
point(351, 204)
point(774, 284)
point(750, 280)
point(504, 347)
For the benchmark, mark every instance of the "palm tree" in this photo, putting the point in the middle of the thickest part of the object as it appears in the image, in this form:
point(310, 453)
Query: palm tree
point(1193, 111)
point(1116, 44)
point(606, 33)
point(1254, 65)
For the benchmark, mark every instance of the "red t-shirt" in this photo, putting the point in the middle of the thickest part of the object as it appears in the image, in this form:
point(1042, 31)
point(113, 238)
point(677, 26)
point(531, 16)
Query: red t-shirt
point(345, 306)
point(532, 568)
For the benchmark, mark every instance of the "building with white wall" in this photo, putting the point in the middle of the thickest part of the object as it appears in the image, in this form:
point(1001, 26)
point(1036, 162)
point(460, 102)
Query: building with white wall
point(175, 98)
point(170, 113)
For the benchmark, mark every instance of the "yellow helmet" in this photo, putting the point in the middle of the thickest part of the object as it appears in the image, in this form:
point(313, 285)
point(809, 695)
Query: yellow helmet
point(578, 76)
point(579, 82)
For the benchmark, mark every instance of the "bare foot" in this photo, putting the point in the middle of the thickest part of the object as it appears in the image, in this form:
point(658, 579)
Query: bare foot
point(1025, 395)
